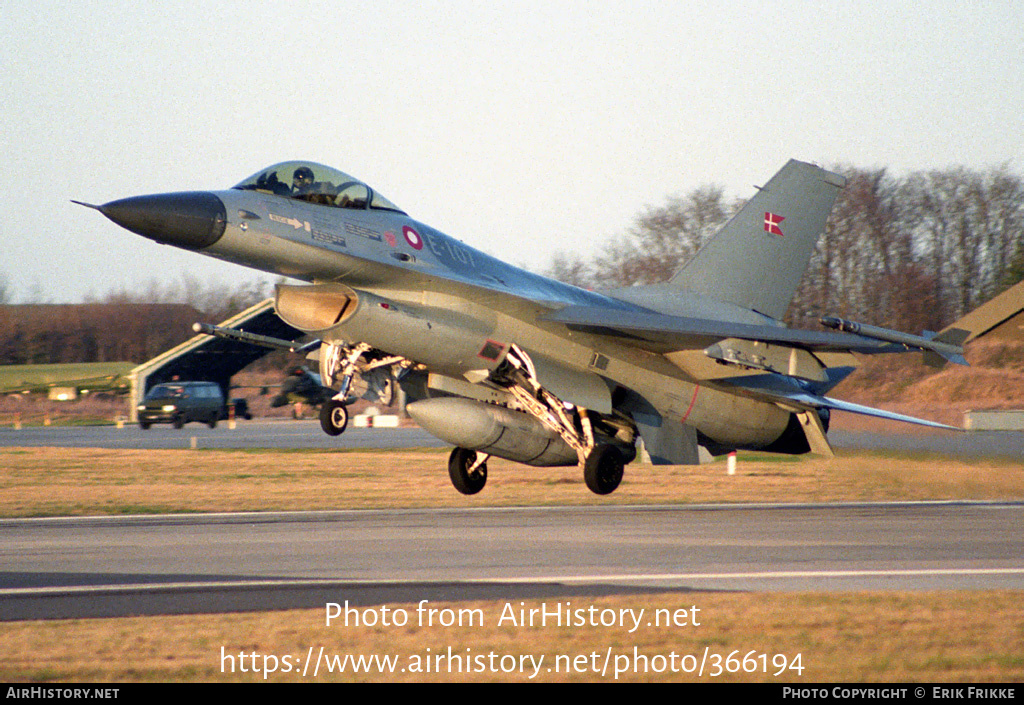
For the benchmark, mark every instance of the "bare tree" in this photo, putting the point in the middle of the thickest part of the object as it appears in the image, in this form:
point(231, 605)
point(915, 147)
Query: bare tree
point(570, 269)
point(6, 291)
point(663, 239)
point(913, 253)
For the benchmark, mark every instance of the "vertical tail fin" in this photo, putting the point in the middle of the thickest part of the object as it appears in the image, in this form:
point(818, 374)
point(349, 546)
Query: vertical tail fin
point(758, 258)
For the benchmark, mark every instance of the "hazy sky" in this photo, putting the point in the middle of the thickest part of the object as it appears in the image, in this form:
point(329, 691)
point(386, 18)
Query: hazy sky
point(521, 128)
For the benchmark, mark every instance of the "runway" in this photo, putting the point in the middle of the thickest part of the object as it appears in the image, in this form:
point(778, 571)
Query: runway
point(259, 433)
point(306, 434)
point(112, 566)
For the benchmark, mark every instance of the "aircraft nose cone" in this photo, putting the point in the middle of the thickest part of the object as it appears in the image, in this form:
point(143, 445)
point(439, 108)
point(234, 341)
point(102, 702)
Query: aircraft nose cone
point(193, 220)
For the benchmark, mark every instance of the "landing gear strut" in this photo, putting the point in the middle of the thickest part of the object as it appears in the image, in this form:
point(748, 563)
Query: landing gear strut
point(366, 378)
point(338, 360)
point(468, 470)
point(603, 463)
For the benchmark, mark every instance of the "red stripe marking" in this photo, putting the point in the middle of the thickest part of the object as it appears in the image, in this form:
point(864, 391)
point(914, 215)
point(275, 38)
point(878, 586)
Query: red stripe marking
point(692, 402)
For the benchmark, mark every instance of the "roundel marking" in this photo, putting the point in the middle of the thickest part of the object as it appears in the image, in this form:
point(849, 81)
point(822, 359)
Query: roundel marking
point(413, 238)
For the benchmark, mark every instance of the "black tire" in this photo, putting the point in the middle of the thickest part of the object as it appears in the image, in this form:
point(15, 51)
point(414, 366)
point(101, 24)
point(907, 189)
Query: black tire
point(459, 463)
point(387, 395)
point(178, 422)
point(144, 425)
point(603, 470)
point(333, 417)
point(212, 423)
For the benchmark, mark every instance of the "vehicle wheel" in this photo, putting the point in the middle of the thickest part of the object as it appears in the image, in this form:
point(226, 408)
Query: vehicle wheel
point(178, 422)
point(212, 423)
point(459, 463)
point(333, 417)
point(144, 425)
point(603, 469)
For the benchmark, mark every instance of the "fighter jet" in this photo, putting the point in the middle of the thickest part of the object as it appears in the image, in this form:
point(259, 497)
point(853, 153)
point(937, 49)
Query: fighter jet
point(502, 362)
point(301, 388)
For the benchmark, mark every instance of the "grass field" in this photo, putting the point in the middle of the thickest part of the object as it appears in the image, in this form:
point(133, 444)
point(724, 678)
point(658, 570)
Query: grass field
point(846, 637)
point(804, 637)
point(56, 482)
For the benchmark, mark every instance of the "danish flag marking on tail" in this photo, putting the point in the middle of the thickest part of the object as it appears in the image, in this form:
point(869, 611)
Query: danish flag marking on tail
point(771, 223)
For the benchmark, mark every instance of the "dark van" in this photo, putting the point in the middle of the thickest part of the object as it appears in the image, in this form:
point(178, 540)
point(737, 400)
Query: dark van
point(177, 403)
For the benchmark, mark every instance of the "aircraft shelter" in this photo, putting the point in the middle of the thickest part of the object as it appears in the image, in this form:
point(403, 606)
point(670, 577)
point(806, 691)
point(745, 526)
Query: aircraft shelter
point(211, 359)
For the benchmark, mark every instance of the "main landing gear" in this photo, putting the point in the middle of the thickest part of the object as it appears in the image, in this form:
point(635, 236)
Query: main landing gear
point(468, 470)
point(603, 469)
point(603, 464)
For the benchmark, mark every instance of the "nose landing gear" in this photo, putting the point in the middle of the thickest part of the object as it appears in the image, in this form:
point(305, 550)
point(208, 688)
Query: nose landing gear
point(333, 417)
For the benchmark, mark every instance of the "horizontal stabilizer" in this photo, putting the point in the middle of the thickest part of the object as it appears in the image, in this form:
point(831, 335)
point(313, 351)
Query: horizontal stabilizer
point(839, 405)
point(792, 396)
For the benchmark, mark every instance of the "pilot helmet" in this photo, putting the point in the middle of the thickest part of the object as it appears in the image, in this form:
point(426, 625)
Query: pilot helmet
point(303, 177)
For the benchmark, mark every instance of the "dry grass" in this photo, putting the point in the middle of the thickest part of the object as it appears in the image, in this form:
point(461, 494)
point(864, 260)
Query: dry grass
point(58, 482)
point(864, 637)
point(851, 637)
point(994, 380)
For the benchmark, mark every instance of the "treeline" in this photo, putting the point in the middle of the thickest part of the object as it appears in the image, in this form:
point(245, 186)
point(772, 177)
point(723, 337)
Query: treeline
point(120, 326)
point(913, 253)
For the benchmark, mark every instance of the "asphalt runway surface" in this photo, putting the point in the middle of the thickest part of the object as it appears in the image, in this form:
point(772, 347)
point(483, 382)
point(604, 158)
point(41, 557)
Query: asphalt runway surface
point(259, 433)
point(113, 566)
point(117, 566)
point(283, 433)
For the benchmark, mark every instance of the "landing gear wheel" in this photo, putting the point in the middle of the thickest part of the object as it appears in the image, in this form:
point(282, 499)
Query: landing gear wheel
point(333, 417)
point(465, 480)
point(387, 391)
point(603, 469)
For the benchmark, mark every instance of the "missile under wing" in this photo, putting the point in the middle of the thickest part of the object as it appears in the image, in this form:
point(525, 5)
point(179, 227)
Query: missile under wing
point(500, 361)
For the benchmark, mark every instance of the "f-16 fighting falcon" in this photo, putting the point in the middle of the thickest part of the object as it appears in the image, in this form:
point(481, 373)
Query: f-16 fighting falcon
point(499, 361)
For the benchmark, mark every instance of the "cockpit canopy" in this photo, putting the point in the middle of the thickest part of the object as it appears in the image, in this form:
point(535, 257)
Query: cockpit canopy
point(315, 183)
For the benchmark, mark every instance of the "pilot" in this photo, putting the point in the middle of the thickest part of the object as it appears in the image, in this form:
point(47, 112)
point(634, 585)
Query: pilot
point(276, 186)
point(302, 179)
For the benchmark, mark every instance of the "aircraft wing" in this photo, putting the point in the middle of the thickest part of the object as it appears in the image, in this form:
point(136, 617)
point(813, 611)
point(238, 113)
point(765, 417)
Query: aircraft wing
point(97, 376)
point(661, 332)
